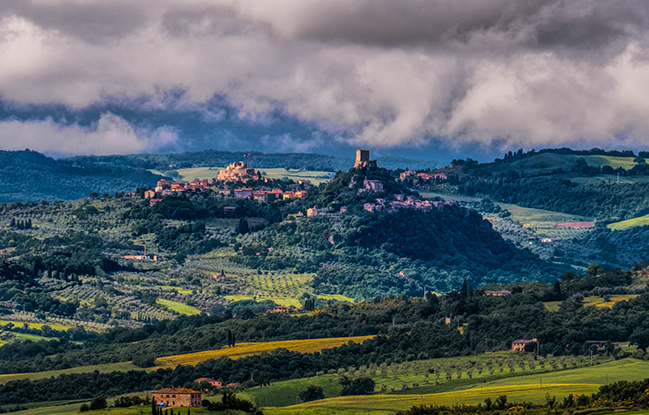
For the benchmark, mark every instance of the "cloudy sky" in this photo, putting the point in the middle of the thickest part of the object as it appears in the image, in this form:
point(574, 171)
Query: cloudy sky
point(413, 77)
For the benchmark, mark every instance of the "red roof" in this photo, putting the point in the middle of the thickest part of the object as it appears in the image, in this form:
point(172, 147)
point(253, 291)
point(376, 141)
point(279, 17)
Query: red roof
point(175, 390)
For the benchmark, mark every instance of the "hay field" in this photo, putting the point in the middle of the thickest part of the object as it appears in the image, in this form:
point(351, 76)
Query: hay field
point(250, 349)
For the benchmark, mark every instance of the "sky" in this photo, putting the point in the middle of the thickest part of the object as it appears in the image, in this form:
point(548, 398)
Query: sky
point(431, 79)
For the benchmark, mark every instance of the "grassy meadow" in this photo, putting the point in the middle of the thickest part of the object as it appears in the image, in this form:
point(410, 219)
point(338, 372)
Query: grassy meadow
point(626, 163)
point(531, 388)
point(593, 301)
point(524, 215)
point(315, 177)
point(181, 308)
point(629, 223)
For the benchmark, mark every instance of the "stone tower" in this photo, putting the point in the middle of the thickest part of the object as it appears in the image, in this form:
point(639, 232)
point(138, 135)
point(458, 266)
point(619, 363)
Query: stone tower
point(362, 157)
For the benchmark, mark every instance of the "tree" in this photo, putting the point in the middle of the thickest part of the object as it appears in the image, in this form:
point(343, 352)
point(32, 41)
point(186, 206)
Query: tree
point(312, 393)
point(84, 407)
point(98, 403)
point(464, 291)
point(146, 360)
point(640, 338)
point(242, 227)
point(360, 386)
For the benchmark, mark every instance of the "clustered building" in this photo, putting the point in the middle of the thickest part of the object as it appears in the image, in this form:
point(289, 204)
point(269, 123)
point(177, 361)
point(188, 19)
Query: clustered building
point(423, 176)
point(407, 202)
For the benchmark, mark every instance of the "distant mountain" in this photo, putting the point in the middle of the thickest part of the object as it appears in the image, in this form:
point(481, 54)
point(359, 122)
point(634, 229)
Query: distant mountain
point(31, 176)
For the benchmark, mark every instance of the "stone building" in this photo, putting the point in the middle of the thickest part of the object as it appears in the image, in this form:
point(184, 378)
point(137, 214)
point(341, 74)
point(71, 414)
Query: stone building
point(171, 397)
point(519, 345)
point(237, 171)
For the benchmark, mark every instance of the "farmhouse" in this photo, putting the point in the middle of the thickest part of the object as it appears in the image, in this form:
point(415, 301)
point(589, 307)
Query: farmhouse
point(215, 383)
point(519, 345)
point(501, 293)
point(177, 397)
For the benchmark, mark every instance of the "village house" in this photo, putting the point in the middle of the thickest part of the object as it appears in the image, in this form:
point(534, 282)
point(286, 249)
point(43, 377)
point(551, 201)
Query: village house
point(229, 210)
point(177, 397)
point(407, 173)
point(177, 186)
point(225, 192)
point(371, 186)
point(519, 345)
point(259, 195)
point(276, 193)
point(243, 193)
point(501, 293)
point(215, 383)
point(149, 194)
point(288, 195)
point(278, 309)
point(312, 212)
point(152, 202)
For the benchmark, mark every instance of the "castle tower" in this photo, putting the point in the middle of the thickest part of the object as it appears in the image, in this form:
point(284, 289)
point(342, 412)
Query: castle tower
point(362, 157)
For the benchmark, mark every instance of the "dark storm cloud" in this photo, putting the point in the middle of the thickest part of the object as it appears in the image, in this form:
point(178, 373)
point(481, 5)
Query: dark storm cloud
point(380, 72)
point(90, 21)
point(539, 23)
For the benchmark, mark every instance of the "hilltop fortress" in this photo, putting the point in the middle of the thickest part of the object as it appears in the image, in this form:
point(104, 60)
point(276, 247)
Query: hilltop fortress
point(237, 171)
point(363, 159)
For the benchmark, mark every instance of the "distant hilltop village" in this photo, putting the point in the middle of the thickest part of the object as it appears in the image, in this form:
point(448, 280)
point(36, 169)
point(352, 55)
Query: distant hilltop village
point(237, 172)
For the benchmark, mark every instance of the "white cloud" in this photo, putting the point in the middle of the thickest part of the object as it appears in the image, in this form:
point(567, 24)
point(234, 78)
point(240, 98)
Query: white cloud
point(544, 71)
point(111, 135)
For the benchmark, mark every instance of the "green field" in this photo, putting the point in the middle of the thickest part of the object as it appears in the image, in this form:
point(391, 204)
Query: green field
point(626, 163)
point(521, 214)
point(179, 307)
point(530, 388)
point(200, 173)
point(286, 393)
point(629, 223)
point(592, 301)
point(108, 367)
point(524, 215)
point(19, 324)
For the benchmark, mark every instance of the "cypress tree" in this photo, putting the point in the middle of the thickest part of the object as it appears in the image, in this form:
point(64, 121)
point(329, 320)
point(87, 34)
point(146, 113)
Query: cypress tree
point(465, 291)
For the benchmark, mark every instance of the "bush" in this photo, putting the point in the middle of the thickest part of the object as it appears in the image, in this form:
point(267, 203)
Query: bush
point(146, 360)
point(98, 403)
point(84, 407)
point(312, 393)
point(360, 386)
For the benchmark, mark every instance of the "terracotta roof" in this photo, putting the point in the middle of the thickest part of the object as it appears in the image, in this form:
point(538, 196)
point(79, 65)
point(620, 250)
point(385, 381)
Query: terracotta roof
point(175, 390)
